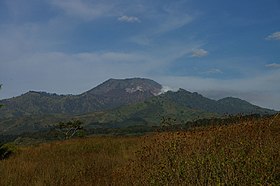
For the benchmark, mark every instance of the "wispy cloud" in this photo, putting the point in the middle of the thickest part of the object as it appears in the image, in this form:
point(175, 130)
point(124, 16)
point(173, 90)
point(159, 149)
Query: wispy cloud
point(162, 20)
point(129, 19)
point(214, 71)
point(274, 36)
point(199, 53)
point(173, 22)
point(273, 65)
point(86, 10)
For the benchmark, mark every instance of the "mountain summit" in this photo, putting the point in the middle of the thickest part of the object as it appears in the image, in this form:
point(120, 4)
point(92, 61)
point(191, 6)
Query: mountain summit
point(108, 95)
point(112, 87)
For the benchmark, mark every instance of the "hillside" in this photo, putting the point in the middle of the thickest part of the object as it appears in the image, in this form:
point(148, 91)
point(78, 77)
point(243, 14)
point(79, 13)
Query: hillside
point(223, 106)
point(115, 104)
point(110, 94)
point(247, 153)
point(180, 107)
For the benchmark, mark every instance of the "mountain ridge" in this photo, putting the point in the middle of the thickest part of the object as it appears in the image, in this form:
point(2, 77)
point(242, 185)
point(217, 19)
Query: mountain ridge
point(116, 103)
point(96, 99)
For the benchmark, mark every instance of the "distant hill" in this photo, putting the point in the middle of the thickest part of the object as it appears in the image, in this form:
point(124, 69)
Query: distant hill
point(223, 106)
point(181, 106)
point(116, 103)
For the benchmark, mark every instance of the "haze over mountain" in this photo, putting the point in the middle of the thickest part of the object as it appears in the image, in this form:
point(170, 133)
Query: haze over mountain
point(116, 103)
point(217, 48)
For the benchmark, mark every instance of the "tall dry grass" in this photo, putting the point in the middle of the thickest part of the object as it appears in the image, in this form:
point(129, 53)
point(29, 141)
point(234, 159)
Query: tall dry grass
point(73, 162)
point(244, 154)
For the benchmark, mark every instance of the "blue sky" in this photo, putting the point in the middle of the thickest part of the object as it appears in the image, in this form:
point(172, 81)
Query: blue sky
point(218, 48)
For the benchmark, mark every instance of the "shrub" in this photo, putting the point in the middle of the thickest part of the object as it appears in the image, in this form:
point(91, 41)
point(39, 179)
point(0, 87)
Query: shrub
point(6, 150)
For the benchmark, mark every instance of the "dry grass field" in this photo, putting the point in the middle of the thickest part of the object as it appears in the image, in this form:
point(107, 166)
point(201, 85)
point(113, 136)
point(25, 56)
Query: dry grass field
point(247, 153)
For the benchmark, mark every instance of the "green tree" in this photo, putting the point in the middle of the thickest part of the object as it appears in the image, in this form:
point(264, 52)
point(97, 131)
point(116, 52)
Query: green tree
point(70, 128)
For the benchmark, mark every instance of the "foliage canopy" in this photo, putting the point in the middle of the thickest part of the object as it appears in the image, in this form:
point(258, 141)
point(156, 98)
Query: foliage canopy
point(70, 128)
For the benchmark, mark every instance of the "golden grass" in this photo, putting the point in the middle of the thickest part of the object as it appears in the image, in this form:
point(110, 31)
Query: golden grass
point(244, 154)
point(73, 162)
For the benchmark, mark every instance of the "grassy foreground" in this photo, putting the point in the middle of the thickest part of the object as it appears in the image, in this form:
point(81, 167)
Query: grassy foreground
point(247, 153)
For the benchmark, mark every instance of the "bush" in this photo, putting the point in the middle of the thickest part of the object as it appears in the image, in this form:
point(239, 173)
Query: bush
point(6, 150)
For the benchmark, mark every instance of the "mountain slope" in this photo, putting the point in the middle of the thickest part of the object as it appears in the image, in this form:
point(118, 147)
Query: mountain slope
point(223, 106)
point(181, 106)
point(149, 112)
point(116, 103)
point(113, 86)
point(110, 94)
point(235, 105)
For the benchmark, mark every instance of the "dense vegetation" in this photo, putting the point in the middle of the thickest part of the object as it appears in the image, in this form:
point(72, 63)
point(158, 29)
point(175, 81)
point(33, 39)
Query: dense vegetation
point(181, 106)
point(246, 153)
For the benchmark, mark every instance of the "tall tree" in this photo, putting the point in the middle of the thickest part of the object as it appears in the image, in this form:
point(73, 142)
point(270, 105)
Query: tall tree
point(70, 128)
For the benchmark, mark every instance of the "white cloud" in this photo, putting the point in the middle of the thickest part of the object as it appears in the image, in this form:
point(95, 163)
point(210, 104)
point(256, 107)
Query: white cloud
point(273, 65)
point(199, 53)
point(165, 89)
point(129, 19)
point(274, 36)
